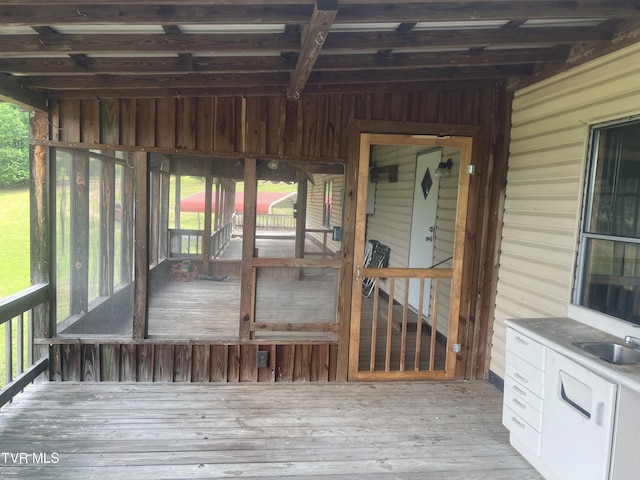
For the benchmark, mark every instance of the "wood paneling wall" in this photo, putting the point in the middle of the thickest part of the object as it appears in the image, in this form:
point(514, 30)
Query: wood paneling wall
point(314, 127)
point(127, 362)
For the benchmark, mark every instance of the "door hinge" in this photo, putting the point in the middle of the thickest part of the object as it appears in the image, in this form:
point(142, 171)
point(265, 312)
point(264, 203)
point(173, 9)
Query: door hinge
point(456, 348)
point(471, 169)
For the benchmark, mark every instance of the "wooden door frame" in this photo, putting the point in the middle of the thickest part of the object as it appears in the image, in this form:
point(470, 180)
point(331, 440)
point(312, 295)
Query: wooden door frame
point(357, 128)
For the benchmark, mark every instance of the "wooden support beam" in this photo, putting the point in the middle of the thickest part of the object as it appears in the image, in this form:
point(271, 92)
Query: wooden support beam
point(79, 283)
point(11, 90)
point(107, 226)
point(206, 239)
point(248, 247)
point(141, 274)
point(313, 37)
point(301, 216)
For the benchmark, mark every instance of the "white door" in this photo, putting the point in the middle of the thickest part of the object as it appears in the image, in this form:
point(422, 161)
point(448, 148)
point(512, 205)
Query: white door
point(423, 222)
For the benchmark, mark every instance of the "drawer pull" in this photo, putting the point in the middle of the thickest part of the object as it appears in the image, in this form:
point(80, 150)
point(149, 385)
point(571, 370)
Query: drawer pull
point(519, 391)
point(517, 422)
point(521, 378)
point(522, 341)
point(518, 403)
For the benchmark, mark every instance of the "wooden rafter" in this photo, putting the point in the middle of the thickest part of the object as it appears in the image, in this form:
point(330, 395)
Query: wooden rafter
point(313, 38)
point(123, 12)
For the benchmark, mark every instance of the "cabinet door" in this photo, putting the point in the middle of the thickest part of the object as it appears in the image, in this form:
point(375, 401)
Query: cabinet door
point(577, 420)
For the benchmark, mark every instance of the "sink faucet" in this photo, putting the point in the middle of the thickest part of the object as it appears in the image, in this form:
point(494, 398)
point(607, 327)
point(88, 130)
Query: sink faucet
point(632, 341)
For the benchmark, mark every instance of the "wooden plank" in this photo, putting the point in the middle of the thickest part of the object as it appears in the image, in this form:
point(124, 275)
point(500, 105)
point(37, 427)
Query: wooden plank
point(186, 123)
point(90, 363)
point(248, 247)
point(71, 357)
point(127, 226)
point(107, 227)
point(128, 121)
point(333, 362)
point(55, 363)
point(128, 363)
point(219, 363)
point(311, 106)
point(11, 389)
point(80, 233)
point(233, 363)
point(256, 125)
point(201, 363)
point(70, 121)
point(145, 363)
point(293, 128)
point(165, 135)
point(89, 121)
point(163, 363)
point(182, 363)
point(110, 121)
point(110, 362)
point(302, 363)
point(54, 120)
point(224, 139)
point(276, 125)
point(140, 320)
point(248, 367)
point(205, 123)
point(284, 362)
point(319, 363)
point(146, 122)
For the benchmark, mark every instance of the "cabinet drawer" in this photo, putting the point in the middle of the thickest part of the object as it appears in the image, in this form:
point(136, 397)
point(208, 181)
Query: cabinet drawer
point(523, 402)
point(525, 433)
point(527, 349)
point(526, 374)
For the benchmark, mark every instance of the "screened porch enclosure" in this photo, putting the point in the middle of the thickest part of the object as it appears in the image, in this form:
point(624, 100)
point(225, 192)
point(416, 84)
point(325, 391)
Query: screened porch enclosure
point(204, 245)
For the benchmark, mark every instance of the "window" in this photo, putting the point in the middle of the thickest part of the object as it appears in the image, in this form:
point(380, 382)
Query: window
point(608, 279)
point(327, 203)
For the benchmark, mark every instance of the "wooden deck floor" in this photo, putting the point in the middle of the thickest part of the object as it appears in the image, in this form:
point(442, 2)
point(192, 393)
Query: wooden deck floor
point(416, 430)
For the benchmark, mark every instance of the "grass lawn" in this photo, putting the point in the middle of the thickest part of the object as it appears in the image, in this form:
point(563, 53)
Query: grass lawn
point(14, 258)
point(14, 240)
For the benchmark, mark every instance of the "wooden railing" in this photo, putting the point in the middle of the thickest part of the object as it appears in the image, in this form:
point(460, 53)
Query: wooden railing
point(219, 239)
point(16, 360)
point(410, 341)
point(269, 221)
point(185, 242)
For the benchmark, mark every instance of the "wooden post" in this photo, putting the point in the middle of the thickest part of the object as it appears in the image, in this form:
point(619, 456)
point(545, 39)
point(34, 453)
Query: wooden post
point(126, 210)
point(206, 237)
point(79, 232)
point(301, 216)
point(141, 274)
point(41, 236)
point(177, 205)
point(154, 211)
point(248, 246)
point(165, 187)
point(107, 227)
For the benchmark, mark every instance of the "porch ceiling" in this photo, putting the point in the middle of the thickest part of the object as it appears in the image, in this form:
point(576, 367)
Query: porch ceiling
point(153, 48)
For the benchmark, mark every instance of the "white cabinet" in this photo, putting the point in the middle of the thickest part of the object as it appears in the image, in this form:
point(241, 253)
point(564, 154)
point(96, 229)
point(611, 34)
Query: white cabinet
point(568, 421)
point(578, 420)
point(523, 393)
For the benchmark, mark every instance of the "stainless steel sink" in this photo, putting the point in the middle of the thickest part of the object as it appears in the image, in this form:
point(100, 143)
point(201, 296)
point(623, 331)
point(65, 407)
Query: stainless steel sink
point(611, 352)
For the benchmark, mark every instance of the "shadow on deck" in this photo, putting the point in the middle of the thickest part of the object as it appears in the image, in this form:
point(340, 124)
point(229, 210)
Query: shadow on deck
point(417, 430)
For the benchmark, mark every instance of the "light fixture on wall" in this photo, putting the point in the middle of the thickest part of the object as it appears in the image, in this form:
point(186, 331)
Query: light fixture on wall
point(272, 165)
point(444, 169)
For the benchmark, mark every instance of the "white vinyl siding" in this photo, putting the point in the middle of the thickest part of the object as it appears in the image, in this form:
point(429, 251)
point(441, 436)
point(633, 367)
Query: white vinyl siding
point(549, 139)
point(391, 223)
point(315, 205)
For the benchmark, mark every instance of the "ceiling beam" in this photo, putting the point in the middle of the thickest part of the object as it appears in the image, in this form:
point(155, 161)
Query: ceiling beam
point(25, 45)
point(178, 82)
point(11, 90)
point(194, 14)
point(314, 35)
point(265, 64)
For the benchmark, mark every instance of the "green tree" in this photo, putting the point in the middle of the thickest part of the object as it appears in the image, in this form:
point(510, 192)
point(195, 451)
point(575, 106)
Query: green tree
point(14, 145)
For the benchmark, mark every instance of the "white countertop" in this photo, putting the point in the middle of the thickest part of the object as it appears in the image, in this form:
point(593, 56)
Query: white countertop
point(559, 334)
